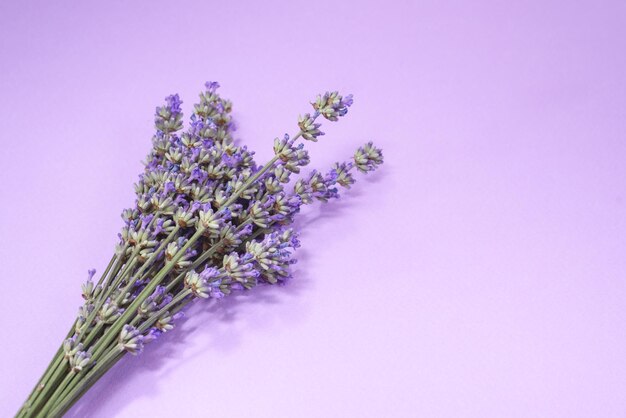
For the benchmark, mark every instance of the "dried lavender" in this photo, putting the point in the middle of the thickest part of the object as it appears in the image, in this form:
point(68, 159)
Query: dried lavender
point(207, 222)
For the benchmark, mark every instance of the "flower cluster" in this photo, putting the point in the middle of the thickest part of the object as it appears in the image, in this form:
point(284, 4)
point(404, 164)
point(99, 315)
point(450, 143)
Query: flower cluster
point(207, 221)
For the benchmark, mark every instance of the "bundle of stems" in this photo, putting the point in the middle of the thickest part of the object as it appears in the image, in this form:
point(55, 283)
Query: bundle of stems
point(207, 221)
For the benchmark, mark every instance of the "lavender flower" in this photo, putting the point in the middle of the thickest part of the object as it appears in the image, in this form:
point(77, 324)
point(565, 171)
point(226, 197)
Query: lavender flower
point(79, 361)
point(131, 340)
point(207, 221)
point(368, 158)
point(169, 117)
point(197, 284)
point(310, 129)
point(89, 288)
point(332, 105)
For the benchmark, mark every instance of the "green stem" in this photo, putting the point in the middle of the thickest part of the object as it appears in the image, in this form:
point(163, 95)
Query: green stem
point(58, 356)
point(63, 402)
point(34, 395)
point(106, 271)
point(143, 267)
point(128, 268)
point(118, 280)
point(64, 406)
point(116, 268)
point(149, 322)
point(93, 333)
point(102, 298)
point(59, 389)
point(44, 393)
point(114, 330)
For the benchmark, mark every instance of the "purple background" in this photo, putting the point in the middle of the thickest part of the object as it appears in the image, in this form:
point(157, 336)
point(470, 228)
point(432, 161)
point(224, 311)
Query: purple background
point(481, 273)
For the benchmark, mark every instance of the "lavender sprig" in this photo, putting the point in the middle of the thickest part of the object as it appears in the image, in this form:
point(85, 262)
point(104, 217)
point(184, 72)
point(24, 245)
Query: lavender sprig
point(207, 222)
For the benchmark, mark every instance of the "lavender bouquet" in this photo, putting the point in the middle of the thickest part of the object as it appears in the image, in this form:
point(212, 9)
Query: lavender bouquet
point(208, 221)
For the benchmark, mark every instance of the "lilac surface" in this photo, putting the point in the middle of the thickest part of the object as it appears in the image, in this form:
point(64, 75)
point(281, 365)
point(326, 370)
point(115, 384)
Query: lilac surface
point(480, 273)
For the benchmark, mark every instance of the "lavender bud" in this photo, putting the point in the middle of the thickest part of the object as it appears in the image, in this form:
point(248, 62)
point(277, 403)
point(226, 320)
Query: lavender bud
point(109, 312)
point(259, 215)
point(272, 185)
point(285, 205)
point(165, 323)
point(284, 149)
point(344, 178)
point(240, 269)
point(281, 174)
point(79, 361)
point(70, 348)
point(367, 158)
point(147, 307)
point(130, 340)
point(332, 105)
point(197, 284)
point(183, 218)
point(168, 118)
point(210, 220)
point(88, 287)
point(308, 127)
point(171, 250)
point(304, 191)
point(300, 158)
